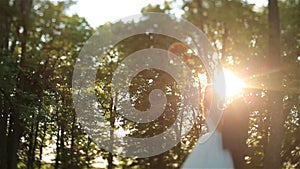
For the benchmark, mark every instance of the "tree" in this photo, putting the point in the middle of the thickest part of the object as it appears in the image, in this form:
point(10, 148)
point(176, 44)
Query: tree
point(272, 157)
point(40, 44)
point(32, 64)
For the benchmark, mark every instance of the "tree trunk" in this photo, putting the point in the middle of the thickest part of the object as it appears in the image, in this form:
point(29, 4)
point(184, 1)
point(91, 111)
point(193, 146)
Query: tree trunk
point(35, 143)
point(57, 158)
point(5, 104)
point(42, 144)
point(73, 137)
point(3, 132)
point(111, 133)
point(272, 157)
point(15, 124)
point(13, 140)
point(5, 17)
point(30, 155)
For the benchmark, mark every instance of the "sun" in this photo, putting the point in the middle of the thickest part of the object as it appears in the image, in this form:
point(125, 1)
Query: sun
point(233, 85)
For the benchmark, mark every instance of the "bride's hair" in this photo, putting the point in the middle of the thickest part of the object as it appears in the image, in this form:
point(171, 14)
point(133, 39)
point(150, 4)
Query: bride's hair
point(206, 100)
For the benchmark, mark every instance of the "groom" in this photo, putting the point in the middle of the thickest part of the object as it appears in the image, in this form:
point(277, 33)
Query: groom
point(233, 126)
point(230, 137)
point(235, 123)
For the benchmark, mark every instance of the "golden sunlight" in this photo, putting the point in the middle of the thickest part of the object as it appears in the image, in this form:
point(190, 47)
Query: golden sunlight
point(233, 85)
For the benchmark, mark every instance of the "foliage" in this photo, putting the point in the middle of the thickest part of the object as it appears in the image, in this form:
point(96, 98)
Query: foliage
point(38, 49)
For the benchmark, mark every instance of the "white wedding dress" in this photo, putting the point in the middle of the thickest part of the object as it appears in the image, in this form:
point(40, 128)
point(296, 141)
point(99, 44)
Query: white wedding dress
point(209, 152)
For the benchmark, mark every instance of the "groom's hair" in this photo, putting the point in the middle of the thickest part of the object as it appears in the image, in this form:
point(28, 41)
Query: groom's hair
point(234, 129)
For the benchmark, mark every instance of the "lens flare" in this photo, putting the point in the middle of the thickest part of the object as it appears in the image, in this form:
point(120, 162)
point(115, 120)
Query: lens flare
point(233, 84)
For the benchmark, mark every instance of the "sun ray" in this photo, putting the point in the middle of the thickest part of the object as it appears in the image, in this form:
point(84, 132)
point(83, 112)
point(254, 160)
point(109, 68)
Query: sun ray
point(233, 85)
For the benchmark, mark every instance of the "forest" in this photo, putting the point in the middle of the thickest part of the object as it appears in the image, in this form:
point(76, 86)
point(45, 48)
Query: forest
point(39, 47)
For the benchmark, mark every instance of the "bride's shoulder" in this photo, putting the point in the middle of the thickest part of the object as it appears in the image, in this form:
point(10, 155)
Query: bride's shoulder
point(209, 137)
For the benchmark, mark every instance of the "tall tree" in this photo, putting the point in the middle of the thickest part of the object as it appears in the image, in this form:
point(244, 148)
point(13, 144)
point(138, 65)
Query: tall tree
point(272, 157)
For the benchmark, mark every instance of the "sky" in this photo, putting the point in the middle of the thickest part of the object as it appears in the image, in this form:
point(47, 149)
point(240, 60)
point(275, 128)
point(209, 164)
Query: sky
point(97, 12)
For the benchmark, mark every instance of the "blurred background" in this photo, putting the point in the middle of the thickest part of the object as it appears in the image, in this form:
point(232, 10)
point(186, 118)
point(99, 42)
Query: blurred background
point(257, 40)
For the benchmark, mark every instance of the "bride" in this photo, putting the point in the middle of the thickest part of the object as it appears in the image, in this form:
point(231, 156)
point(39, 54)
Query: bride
point(224, 145)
